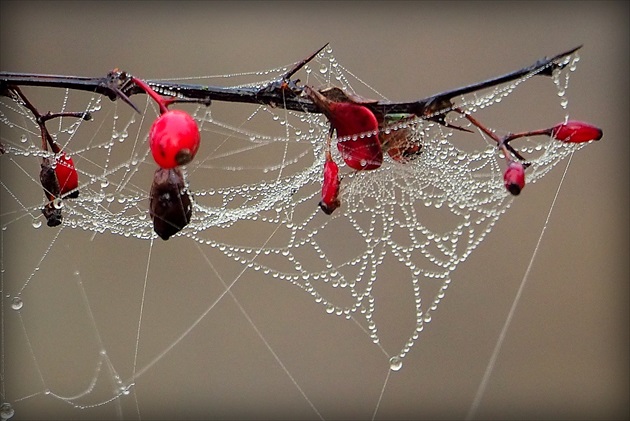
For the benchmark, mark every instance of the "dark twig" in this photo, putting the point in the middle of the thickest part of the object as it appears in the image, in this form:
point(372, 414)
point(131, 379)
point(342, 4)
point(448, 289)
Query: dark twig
point(118, 84)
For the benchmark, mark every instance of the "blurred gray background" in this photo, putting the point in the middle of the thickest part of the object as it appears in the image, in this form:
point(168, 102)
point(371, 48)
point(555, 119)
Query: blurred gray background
point(566, 353)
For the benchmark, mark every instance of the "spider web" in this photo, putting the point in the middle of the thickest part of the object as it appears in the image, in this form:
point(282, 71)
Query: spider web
point(255, 185)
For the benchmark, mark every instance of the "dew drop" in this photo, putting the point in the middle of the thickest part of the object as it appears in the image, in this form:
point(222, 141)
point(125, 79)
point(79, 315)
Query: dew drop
point(395, 363)
point(23, 138)
point(6, 411)
point(36, 223)
point(17, 303)
point(57, 203)
point(323, 70)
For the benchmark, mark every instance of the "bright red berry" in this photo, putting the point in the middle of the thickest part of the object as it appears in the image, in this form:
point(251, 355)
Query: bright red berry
point(174, 139)
point(514, 177)
point(576, 132)
point(330, 187)
point(66, 175)
point(351, 120)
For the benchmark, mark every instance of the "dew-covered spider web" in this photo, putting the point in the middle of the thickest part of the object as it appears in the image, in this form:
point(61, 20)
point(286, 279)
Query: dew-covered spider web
point(256, 184)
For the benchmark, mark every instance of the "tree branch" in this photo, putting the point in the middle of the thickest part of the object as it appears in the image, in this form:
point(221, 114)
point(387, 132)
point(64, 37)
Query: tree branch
point(118, 84)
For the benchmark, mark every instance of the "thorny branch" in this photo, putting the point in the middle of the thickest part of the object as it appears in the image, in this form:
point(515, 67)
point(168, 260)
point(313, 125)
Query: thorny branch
point(284, 93)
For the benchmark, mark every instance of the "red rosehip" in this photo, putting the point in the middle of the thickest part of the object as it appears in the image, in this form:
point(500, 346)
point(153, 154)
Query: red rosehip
point(576, 132)
point(349, 120)
point(174, 139)
point(514, 177)
point(66, 175)
point(330, 187)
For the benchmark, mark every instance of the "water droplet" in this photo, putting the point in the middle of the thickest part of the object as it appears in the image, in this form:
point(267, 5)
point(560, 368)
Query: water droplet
point(6, 411)
point(395, 363)
point(323, 70)
point(104, 183)
point(17, 303)
point(57, 203)
point(23, 138)
point(36, 223)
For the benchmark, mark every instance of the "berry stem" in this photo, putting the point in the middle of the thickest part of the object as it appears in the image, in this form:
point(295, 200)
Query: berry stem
point(162, 102)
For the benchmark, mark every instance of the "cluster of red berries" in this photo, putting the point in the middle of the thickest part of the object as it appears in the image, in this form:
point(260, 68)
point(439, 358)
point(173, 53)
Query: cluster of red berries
point(361, 141)
point(570, 132)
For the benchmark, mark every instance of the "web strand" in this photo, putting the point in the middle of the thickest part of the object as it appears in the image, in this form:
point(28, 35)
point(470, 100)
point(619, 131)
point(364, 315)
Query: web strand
point(508, 320)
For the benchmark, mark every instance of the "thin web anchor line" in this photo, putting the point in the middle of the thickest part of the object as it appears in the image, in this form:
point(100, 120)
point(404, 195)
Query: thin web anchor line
point(228, 290)
point(497, 348)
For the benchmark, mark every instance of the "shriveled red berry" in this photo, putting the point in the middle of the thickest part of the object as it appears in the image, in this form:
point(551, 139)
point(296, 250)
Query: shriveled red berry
point(398, 143)
point(174, 139)
point(330, 187)
point(514, 177)
point(351, 120)
point(66, 175)
point(576, 132)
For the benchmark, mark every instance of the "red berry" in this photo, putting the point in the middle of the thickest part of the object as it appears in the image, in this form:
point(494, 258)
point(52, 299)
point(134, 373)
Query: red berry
point(576, 132)
point(66, 175)
point(350, 120)
point(514, 177)
point(174, 139)
point(330, 187)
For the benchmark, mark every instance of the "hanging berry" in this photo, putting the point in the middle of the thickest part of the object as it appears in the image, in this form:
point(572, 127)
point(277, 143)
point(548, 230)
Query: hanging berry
point(170, 206)
point(514, 177)
point(174, 136)
point(357, 130)
point(174, 139)
point(330, 187)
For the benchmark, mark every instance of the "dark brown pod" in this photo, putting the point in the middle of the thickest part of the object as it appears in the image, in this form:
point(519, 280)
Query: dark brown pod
point(170, 206)
point(48, 179)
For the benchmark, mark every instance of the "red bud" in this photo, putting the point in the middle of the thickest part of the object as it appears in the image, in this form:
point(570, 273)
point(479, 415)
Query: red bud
point(330, 188)
point(514, 177)
point(576, 132)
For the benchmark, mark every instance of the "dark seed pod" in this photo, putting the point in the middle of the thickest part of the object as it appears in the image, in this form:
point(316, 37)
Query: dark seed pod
point(170, 206)
point(48, 179)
